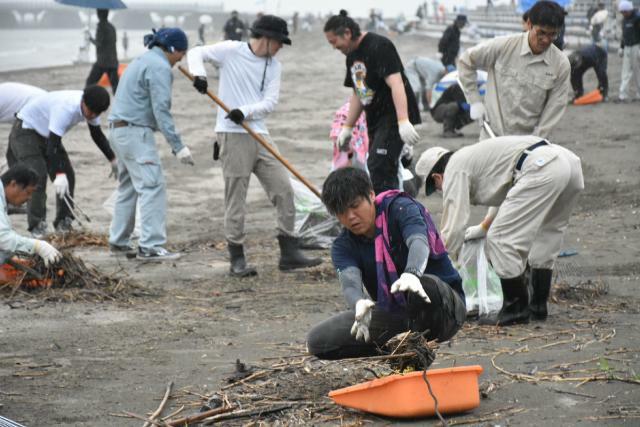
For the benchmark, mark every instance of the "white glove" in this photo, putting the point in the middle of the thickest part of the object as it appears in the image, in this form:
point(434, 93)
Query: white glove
point(48, 253)
point(184, 155)
point(61, 183)
point(360, 328)
point(477, 111)
point(344, 138)
point(621, 52)
point(409, 282)
point(114, 169)
point(408, 133)
point(475, 232)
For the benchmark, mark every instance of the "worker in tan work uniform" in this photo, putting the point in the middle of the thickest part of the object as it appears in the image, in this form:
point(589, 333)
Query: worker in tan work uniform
point(535, 184)
point(528, 85)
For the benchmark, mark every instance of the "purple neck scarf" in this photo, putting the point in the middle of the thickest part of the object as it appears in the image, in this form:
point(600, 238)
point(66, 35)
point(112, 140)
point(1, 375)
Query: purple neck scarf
point(385, 268)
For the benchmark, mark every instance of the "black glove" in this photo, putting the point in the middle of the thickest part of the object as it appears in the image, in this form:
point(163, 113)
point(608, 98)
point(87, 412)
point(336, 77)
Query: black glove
point(201, 85)
point(236, 116)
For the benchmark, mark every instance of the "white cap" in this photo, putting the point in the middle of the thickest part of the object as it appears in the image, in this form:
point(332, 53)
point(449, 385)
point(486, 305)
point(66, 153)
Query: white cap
point(625, 6)
point(428, 160)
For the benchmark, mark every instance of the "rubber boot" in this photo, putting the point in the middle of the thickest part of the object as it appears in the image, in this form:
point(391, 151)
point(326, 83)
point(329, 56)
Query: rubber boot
point(515, 303)
point(541, 285)
point(239, 267)
point(291, 257)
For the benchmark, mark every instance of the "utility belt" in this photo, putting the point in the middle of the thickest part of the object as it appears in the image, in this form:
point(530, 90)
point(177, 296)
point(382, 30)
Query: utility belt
point(528, 151)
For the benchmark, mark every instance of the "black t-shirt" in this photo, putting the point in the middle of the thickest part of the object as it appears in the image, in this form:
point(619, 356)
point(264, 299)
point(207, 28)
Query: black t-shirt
point(367, 66)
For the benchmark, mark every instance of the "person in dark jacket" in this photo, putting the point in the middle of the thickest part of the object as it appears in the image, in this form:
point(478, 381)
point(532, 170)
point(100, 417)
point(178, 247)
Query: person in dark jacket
point(592, 56)
point(106, 53)
point(234, 28)
point(449, 44)
point(452, 110)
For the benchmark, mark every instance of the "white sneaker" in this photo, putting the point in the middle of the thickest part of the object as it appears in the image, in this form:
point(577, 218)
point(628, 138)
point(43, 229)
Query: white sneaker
point(157, 254)
point(40, 231)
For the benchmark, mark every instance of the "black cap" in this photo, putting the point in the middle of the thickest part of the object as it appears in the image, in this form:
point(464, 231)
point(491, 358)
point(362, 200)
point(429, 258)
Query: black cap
point(461, 18)
point(272, 27)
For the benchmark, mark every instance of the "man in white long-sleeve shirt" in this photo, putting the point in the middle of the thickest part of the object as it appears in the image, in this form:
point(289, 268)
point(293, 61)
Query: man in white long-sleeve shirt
point(18, 184)
point(250, 86)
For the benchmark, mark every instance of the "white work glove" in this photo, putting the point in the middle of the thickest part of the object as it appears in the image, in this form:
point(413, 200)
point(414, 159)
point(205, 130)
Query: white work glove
point(477, 111)
point(360, 328)
point(410, 282)
point(344, 138)
point(61, 184)
point(408, 133)
point(184, 155)
point(48, 253)
point(475, 232)
point(621, 52)
point(114, 169)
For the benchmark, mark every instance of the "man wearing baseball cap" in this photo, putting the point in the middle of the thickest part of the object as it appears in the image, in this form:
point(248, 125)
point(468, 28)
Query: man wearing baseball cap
point(630, 46)
point(250, 86)
point(534, 184)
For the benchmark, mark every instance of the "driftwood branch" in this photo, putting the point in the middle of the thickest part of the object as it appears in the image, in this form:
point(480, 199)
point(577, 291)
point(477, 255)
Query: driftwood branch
point(158, 411)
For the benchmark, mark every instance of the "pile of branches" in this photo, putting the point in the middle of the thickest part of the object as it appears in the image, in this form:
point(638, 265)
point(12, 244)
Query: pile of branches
point(289, 391)
point(70, 279)
point(78, 238)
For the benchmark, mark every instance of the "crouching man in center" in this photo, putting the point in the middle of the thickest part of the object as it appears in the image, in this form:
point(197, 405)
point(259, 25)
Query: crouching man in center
point(394, 270)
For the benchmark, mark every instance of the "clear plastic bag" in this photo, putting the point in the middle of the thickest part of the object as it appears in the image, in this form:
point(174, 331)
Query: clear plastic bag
point(315, 227)
point(480, 282)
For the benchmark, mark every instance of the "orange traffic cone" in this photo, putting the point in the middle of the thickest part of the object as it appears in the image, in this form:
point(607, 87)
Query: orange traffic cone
point(104, 80)
point(592, 97)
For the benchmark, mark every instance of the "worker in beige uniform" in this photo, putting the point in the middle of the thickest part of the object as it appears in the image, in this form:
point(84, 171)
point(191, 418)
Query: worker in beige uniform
point(528, 86)
point(535, 184)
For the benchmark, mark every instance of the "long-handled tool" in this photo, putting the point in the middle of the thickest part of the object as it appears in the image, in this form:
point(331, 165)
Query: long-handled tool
point(75, 209)
point(257, 137)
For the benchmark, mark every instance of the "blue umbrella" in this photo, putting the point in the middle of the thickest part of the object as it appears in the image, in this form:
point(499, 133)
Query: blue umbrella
point(95, 4)
point(524, 5)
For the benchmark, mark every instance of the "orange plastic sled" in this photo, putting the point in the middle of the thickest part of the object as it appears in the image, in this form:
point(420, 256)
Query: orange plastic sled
point(592, 97)
point(407, 396)
point(104, 80)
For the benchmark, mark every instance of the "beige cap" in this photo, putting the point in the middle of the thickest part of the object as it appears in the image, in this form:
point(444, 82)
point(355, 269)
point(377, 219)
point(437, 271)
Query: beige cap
point(425, 164)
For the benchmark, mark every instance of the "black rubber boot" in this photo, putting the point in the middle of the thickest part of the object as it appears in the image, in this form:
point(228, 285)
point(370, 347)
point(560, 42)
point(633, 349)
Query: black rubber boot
point(515, 303)
point(291, 257)
point(239, 267)
point(541, 285)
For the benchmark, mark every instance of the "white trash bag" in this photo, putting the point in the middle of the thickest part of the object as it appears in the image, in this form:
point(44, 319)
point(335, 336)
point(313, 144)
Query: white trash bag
point(315, 227)
point(480, 282)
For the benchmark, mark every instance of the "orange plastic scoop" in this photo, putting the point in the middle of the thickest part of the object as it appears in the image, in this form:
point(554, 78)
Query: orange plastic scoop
point(407, 396)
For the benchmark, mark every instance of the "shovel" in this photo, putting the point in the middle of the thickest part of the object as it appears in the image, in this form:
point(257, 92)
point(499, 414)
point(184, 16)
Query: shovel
point(257, 137)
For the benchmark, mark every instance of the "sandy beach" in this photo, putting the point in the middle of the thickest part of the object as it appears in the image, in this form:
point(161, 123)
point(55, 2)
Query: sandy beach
point(89, 361)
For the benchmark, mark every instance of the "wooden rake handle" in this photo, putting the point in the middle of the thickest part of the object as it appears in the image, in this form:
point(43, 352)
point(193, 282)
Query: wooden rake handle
point(257, 137)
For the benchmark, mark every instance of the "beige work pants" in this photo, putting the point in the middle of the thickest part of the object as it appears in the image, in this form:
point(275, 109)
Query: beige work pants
point(534, 216)
point(241, 156)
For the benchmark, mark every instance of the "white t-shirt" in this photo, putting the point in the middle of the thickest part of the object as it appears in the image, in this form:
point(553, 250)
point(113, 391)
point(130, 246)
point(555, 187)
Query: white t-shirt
point(240, 78)
point(13, 96)
point(55, 112)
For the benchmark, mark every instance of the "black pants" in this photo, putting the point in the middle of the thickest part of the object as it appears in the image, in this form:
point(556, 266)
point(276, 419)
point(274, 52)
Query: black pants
point(443, 317)
point(27, 147)
point(97, 71)
point(446, 114)
point(385, 147)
